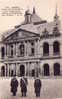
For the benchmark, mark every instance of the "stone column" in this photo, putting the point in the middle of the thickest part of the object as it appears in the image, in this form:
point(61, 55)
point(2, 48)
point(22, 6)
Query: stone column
point(51, 49)
point(0, 51)
point(25, 68)
point(5, 50)
point(41, 69)
point(0, 70)
point(37, 69)
point(36, 48)
point(41, 49)
point(9, 70)
point(28, 48)
point(14, 49)
point(17, 69)
point(17, 49)
point(8, 50)
point(27, 64)
point(51, 70)
point(5, 69)
point(60, 48)
point(28, 68)
point(25, 51)
point(7, 66)
point(61, 68)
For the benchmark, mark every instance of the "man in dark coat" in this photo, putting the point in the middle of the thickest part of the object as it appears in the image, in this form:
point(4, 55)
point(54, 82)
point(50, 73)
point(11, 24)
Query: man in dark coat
point(23, 85)
point(37, 86)
point(14, 85)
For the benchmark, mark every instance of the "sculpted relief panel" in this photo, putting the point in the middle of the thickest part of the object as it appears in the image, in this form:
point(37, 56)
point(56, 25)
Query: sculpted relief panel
point(19, 35)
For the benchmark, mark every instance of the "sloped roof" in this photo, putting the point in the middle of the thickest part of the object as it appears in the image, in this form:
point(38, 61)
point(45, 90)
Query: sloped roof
point(28, 27)
point(34, 28)
point(48, 26)
point(8, 32)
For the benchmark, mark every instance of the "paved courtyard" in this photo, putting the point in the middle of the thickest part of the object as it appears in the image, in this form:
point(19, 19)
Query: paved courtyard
point(51, 89)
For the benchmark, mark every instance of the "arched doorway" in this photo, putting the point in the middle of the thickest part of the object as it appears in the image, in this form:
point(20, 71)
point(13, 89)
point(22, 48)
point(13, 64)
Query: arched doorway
point(22, 70)
point(2, 71)
point(12, 73)
point(56, 69)
point(46, 70)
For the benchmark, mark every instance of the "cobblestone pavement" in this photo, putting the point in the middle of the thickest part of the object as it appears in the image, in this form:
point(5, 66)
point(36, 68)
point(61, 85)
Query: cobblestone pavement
point(51, 89)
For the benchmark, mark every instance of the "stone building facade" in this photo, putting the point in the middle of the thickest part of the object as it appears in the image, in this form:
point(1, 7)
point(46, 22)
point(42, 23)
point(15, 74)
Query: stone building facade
point(33, 48)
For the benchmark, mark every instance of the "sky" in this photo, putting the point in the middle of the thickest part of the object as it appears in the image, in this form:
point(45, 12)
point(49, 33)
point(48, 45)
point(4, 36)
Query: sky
point(44, 8)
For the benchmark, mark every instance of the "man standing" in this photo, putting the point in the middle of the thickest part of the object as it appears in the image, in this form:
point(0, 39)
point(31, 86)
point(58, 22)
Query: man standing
point(37, 86)
point(23, 85)
point(14, 85)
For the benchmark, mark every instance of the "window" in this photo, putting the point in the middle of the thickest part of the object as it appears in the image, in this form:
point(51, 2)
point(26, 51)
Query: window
point(45, 32)
point(21, 48)
point(56, 30)
point(32, 51)
point(2, 52)
point(56, 69)
point(32, 48)
point(56, 47)
point(32, 43)
point(22, 70)
point(11, 50)
point(2, 71)
point(46, 70)
point(45, 48)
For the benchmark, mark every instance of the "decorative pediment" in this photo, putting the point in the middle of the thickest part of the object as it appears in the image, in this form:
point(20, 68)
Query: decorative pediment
point(19, 34)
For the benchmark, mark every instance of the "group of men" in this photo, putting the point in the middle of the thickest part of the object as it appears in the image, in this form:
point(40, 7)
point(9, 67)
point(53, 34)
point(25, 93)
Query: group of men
point(23, 84)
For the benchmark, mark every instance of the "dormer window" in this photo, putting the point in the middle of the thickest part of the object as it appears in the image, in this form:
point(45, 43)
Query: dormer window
point(45, 32)
point(56, 30)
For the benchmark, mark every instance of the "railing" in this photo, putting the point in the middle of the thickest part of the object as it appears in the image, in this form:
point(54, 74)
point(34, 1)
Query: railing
point(37, 56)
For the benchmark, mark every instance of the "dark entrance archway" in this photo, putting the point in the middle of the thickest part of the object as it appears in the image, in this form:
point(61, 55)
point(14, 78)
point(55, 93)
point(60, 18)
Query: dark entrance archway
point(56, 69)
point(22, 70)
point(46, 70)
point(2, 71)
point(12, 73)
point(33, 72)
